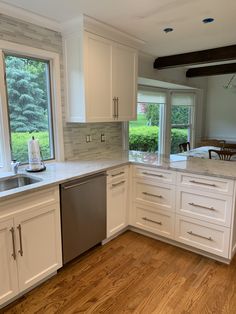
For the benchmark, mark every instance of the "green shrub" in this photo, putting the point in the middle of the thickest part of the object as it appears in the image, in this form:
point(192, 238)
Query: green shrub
point(20, 145)
point(178, 136)
point(145, 138)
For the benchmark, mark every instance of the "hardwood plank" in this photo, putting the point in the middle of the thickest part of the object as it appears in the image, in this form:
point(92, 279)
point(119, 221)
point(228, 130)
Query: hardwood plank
point(135, 274)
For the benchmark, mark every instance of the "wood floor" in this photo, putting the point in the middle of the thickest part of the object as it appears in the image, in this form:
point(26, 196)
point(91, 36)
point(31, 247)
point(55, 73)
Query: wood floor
point(136, 274)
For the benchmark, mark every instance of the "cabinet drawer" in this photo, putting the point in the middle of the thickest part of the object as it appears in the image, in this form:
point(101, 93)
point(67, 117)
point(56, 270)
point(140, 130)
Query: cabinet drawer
point(204, 183)
point(158, 175)
point(161, 196)
point(211, 238)
point(117, 174)
point(206, 206)
point(33, 199)
point(155, 222)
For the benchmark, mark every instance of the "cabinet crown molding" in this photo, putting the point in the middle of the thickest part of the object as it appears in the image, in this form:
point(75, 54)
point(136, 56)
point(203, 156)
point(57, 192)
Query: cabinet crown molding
point(89, 24)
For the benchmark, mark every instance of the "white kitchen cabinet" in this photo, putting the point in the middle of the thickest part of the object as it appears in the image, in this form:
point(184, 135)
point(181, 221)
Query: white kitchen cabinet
point(30, 241)
point(117, 188)
point(8, 267)
point(124, 82)
point(194, 210)
point(101, 78)
point(37, 240)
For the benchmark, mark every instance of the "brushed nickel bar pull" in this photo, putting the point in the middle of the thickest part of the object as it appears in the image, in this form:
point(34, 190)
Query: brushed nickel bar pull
point(199, 236)
point(153, 174)
point(117, 107)
point(114, 107)
point(119, 183)
point(202, 183)
point(20, 237)
point(155, 222)
point(13, 243)
point(150, 194)
point(201, 206)
point(117, 174)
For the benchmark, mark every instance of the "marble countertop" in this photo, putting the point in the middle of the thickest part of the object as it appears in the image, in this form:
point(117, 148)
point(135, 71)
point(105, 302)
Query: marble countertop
point(60, 172)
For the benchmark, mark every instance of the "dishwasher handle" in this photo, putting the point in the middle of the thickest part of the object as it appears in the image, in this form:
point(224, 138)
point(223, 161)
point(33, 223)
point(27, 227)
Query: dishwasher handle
point(67, 187)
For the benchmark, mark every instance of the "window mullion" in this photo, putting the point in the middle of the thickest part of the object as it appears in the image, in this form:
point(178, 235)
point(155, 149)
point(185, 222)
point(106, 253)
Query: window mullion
point(5, 134)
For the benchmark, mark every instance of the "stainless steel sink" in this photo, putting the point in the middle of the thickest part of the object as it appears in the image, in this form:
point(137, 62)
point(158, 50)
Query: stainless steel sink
point(16, 181)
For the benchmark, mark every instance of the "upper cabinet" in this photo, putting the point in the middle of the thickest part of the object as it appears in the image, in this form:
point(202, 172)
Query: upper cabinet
point(101, 79)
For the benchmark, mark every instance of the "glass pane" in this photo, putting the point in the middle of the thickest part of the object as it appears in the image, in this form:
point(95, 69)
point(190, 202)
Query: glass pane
point(144, 133)
point(29, 105)
point(180, 126)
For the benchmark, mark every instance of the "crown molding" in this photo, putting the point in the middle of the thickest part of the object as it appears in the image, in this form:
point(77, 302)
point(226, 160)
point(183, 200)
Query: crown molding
point(87, 23)
point(30, 17)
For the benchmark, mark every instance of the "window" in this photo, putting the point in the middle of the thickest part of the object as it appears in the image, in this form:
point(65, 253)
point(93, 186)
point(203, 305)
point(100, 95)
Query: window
point(165, 119)
point(182, 113)
point(30, 103)
point(145, 134)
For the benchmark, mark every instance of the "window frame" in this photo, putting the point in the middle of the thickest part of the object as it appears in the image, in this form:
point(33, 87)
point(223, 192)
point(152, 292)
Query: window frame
point(192, 113)
point(165, 138)
point(56, 108)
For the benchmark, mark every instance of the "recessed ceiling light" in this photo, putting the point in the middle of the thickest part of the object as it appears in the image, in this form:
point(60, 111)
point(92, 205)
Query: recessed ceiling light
point(168, 30)
point(208, 20)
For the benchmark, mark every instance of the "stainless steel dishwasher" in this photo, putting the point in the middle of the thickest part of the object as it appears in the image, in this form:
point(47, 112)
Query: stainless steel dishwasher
point(83, 214)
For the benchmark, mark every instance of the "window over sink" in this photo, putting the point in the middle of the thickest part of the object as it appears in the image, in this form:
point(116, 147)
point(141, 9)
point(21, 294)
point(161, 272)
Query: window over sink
point(30, 103)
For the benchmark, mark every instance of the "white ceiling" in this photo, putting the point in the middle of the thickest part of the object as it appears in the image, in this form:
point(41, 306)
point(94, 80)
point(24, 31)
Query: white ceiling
point(147, 19)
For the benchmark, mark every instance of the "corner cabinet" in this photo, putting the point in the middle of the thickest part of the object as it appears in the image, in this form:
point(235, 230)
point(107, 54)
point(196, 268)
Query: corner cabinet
point(101, 79)
point(30, 240)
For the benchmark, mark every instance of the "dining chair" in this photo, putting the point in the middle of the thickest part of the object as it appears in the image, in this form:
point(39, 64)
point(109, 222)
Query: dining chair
point(230, 146)
point(222, 154)
point(184, 147)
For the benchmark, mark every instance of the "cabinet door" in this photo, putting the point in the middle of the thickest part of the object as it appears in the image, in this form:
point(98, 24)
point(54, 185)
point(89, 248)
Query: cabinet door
point(8, 268)
point(116, 206)
point(38, 244)
point(98, 79)
point(125, 81)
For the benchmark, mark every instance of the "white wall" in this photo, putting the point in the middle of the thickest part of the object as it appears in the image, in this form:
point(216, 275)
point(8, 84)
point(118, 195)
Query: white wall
point(220, 119)
point(146, 70)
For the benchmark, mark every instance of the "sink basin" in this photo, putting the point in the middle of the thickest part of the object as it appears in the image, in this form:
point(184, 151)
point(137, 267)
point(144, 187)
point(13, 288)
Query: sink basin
point(16, 181)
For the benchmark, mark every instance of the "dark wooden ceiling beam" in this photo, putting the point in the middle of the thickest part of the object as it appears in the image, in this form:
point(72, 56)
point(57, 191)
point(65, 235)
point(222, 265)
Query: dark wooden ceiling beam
point(197, 57)
point(212, 70)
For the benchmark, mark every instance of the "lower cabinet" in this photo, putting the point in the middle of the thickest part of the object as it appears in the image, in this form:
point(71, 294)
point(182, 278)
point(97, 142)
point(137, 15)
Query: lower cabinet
point(202, 235)
point(158, 222)
point(30, 241)
point(197, 211)
point(117, 188)
point(8, 266)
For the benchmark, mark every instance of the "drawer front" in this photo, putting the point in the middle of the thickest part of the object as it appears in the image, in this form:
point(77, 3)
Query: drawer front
point(204, 183)
point(207, 237)
point(155, 222)
point(158, 175)
point(206, 206)
point(32, 199)
point(160, 196)
point(117, 174)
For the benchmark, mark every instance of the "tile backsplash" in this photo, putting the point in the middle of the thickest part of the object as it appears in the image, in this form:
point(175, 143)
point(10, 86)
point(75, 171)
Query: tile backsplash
point(77, 147)
point(17, 31)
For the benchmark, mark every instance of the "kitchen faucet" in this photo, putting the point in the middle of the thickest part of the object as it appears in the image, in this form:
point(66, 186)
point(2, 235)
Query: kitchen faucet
point(15, 165)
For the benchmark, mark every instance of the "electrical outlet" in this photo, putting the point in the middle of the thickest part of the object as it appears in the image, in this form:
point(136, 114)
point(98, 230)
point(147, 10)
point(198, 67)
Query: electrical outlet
point(103, 137)
point(88, 138)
